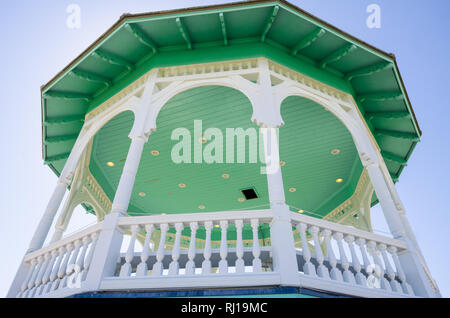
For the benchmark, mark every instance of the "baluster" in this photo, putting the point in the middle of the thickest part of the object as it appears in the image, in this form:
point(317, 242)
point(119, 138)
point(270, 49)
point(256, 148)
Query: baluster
point(174, 266)
point(87, 261)
point(54, 279)
point(142, 268)
point(407, 289)
point(383, 281)
point(362, 243)
point(31, 283)
point(395, 286)
point(223, 263)
point(334, 273)
point(125, 270)
point(62, 269)
point(240, 265)
point(360, 278)
point(73, 260)
point(190, 265)
point(206, 264)
point(80, 262)
point(308, 267)
point(24, 287)
point(322, 271)
point(46, 279)
point(348, 276)
point(158, 266)
point(41, 273)
point(257, 267)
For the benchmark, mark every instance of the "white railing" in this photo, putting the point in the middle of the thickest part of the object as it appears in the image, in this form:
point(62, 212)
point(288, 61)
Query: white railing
point(51, 268)
point(341, 254)
point(169, 258)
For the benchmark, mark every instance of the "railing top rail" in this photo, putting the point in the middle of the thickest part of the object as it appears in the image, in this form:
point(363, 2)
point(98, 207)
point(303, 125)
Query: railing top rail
point(299, 218)
point(71, 238)
point(196, 217)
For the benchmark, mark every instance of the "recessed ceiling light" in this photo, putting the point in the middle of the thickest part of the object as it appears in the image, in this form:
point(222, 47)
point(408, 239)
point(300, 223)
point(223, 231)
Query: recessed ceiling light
point(292, 189)
point(202, 140)
point(335, 151)
point(217, 225)
point(282, 163)
point(225, 175)
point(110, 164)
point(301, 211)
point(155, 152)
point(142, 194)
point(241, 199)
point(201, 207)
point(182, 185)
point(339, 180)
point(163, 213)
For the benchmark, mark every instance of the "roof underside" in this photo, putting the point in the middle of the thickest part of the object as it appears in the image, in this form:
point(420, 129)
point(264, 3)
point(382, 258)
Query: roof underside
point(274, 29)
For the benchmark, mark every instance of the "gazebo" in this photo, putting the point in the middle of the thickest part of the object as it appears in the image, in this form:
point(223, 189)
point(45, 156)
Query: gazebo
point(239, 148)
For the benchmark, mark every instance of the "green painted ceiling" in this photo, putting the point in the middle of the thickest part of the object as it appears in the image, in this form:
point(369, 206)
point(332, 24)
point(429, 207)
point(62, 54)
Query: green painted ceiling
point(287, 35)
point(306, 141)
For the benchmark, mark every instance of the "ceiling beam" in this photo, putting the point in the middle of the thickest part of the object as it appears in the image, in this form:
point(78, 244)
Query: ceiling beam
point(63, 120)
point(337, 55)
point(382, 96)
point(61, 138)
point(224, 28)
point(56, 158)
point(394, 158)
point(142, 37)
point(307, 40)
point(87, 76)
point(67, 95)
point(388, 115)
point(113, 59)
point(269, 22)
point(397, 134)
point(184, 32)
point(368, 70)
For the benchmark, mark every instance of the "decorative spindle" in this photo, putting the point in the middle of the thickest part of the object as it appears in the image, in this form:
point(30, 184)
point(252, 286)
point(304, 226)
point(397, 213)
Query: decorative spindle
point(206, 264)
point(41, 273)
point(322, 271)
point(362, 247)
point(158, 266)
point(223, 263)
point(125, 270)
point(383, 281)
point(88, 259)
point(407, 289)
point(24, 286)
point(80, 262)
point(142, 268)
point(334, 273)
point(32, 281)
point(190, 265)
point(347, 274)
point(54, 279)
point(174, 266)
point(62, 269)
point(257, 267)
point(395, 286)
point(240, 265)
point(46, 278)
point(359, 277)
point(308, 267)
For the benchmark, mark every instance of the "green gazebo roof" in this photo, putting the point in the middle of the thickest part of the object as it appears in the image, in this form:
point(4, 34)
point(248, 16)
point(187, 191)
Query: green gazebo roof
point(277, 30)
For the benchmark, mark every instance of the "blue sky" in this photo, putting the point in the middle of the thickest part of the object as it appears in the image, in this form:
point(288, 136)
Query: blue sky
point(36, 44)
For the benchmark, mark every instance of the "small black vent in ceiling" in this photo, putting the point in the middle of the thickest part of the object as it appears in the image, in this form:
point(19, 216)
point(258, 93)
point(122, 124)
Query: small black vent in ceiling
point(249, 193)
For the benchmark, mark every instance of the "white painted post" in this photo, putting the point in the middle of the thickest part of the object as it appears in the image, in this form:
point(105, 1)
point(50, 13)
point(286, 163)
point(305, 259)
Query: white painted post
point(190, 265)
point(206, 264)
point(281, 236)
point(223, 263)
point(142, 268)
point(174, 266)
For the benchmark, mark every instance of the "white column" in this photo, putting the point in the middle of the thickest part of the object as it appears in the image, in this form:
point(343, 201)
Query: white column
point(281, 235)
point(109, 241)
point(47, 219)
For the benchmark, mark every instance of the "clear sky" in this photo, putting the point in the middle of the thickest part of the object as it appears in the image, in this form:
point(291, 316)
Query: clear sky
point(36, 44)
